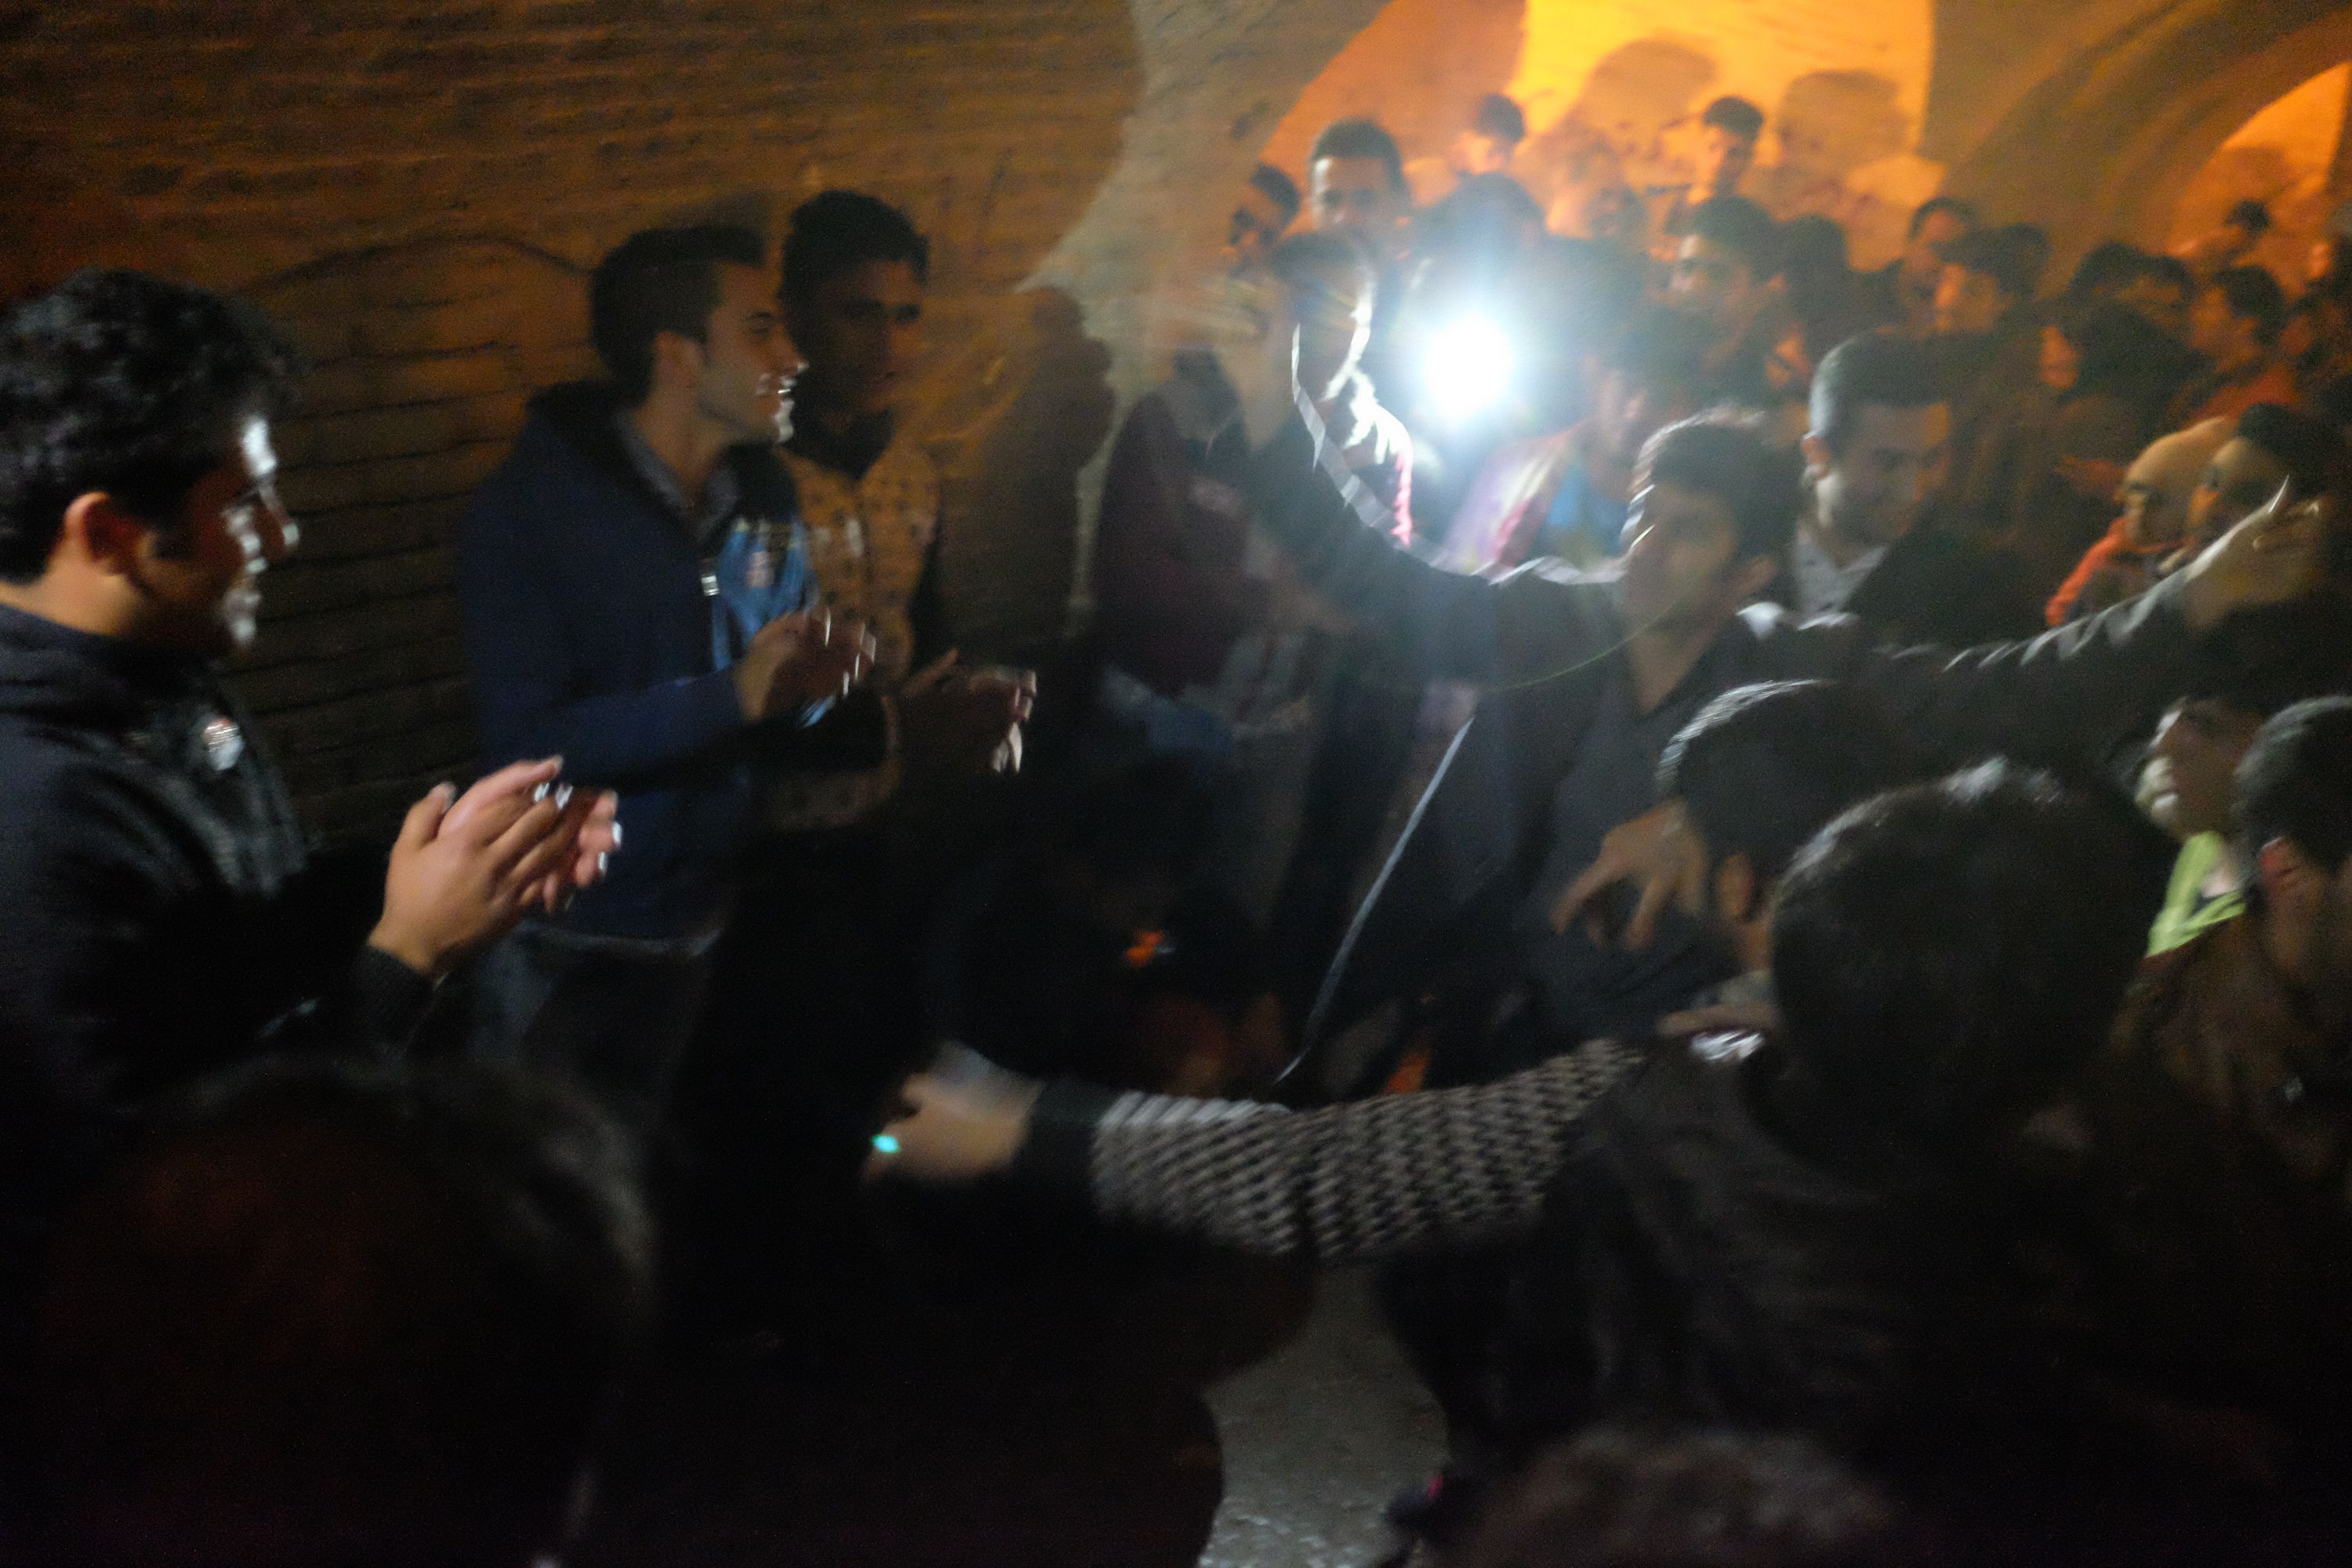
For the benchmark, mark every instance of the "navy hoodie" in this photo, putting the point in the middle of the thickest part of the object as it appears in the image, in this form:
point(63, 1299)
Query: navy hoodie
point(600, 628)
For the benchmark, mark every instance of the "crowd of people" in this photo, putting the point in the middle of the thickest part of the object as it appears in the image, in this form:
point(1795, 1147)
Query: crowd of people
point(1773, 844)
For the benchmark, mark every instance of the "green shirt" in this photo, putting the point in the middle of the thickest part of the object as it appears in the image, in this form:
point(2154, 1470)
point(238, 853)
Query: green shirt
point(2189, 909)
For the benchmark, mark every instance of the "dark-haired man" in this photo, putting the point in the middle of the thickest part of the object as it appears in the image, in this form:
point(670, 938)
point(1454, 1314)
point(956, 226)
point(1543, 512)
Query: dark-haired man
point(1724, 265)
point(1498, 125)
point(637, 597)
point(1587, 680)
point(161, 912)
point(1880, 438)
point(1904, 291)
point(2235, 324)
point(1355, 183)
point(1263, 214)
point(1728, 131)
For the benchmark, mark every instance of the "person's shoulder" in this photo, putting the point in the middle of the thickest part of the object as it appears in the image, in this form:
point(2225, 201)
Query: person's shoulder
point(76, 804)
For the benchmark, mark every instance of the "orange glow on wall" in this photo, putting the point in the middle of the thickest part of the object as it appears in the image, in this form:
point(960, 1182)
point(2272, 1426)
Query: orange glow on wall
point(2281, 157)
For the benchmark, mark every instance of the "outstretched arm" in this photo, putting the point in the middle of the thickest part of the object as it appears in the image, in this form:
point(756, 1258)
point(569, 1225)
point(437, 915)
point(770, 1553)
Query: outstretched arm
point(1372, 1179)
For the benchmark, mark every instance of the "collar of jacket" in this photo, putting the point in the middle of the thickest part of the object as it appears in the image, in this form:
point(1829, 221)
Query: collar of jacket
point(54, 672)
point(582, 413)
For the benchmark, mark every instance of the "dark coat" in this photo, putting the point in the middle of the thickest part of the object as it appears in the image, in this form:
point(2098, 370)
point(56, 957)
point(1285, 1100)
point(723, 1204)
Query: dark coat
point(161, 914)
point(1542, 643)
point(589, 635)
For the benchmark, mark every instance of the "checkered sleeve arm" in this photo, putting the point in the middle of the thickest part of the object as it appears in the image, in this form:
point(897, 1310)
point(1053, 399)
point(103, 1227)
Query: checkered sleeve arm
point(1352, 1183)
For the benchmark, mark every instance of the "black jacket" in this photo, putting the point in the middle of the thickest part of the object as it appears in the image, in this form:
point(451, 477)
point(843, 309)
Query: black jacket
point(1933, 587)
point(161, 914)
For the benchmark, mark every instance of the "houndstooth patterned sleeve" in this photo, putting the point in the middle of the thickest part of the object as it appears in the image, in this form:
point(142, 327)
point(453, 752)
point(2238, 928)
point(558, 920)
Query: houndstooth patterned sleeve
point(1367, 1180)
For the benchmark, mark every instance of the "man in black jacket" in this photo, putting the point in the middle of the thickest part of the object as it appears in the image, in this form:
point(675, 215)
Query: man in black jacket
point(160, 914)
point(1878, 448)
point(1586, 679)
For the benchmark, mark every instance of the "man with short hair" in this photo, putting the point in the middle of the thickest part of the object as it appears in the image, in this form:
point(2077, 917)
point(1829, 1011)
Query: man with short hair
point(1987, 281)
point(2230, 242)
point(1355, 183)
point(341, 1315)
point(1587, 680)
point(1263, 214)
point(2269, 446)
point(1498, 125)
point(1728, 131)
point(1724, 267)
point(1903, 292)
point(637, 597)
point(162, 912)
point(2235, 324)
point(1880, 440)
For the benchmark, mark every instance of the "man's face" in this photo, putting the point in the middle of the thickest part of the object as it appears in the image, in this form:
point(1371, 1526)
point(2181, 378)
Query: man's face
point(1723, 161)
point(1968, 302)
point(1923, 257)
point(2166, 304)
point(1257, 223)
point(2218, 333)
point(2240, 478)
point(1871, 487)
point(863, 332)
point(2331, 957)
point(1680, 546)
point(1713, 282)
point(1354, 195)
point(200, 578)
point(1629, 410)
point(748, 362)
point(2192, 765)
point(1475, 153)
point(1335, 323)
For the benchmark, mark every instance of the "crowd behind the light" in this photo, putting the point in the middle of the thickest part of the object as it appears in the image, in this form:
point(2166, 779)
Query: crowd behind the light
point(1773, 844)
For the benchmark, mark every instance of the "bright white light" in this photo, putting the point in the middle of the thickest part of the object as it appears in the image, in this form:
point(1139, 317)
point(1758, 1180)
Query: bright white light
point(1467, 367)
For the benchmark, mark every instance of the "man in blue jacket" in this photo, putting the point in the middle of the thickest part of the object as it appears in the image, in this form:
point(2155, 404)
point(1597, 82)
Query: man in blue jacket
point(637, 599)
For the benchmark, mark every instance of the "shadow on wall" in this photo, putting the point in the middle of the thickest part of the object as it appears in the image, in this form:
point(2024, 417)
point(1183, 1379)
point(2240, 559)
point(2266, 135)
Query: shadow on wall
point(1012, 511)
point(422, 356)
point(1831, 125)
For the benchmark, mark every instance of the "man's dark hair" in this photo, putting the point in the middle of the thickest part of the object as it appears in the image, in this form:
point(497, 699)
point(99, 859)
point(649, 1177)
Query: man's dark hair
point(1876, 368)
point(2170, 273)
point(2252, 295)
point(1964, 211)
point(2105, 267)
point(2034, 245)
point(835, 231)
point(2010, 258)
point(1725, 456)
point(1661, 348)
point(1360, 138)
point(1764, 768)
point(1276, 187)
point(2309, 448)
point(130, 385)
point(1742, 227)
point(1694, 1499)
point(1500, 116)
point(334, 1314)
point(2251, 215)
point(1947, 953)
point(2295, 782)
point(1735, 115)
point(660, 280)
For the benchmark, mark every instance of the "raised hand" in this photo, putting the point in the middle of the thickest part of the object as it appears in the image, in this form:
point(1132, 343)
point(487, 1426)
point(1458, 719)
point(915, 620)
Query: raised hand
point(966, 721)
point(954, 1131)
point(2276, 554)
point(1659, 856)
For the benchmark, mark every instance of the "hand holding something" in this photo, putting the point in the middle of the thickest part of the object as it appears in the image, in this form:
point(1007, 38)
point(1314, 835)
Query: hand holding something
point(1660, 855)
point(454, 886)
point(2276, 554)
point(966, 721)
point(953, 1131)
point(797, 661)
point(1758, 1017)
